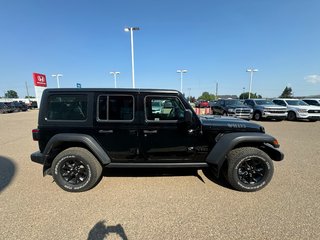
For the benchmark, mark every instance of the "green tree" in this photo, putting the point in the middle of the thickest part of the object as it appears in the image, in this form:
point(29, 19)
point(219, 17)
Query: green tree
point(207, 96)
point(191, 99)
point(11, 94)
point(287, 93)
point(245, 95)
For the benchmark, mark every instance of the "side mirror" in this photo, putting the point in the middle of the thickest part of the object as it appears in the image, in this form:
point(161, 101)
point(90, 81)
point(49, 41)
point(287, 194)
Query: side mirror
point(188, 116)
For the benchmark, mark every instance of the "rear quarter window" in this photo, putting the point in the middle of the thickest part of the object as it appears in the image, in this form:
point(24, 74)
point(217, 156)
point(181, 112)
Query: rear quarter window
point(67, 107)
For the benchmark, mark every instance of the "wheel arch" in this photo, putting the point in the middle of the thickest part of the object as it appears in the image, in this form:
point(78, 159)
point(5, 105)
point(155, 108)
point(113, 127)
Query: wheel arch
point(63, 141)
point(218, 154)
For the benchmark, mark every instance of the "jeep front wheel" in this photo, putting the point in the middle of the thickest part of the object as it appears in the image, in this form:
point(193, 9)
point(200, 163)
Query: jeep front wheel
point(76, 170)
point(249, 169)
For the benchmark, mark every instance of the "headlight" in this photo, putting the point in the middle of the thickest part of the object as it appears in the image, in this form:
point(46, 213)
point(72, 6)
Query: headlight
point(231, 110)
point(302, 110)
point(251, 110)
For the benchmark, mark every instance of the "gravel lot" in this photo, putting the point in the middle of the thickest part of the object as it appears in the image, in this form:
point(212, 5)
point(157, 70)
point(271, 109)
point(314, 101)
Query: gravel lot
point(138, 204)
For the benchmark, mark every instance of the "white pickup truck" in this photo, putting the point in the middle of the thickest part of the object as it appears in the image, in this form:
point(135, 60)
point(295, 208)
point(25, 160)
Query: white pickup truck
point(298, 109)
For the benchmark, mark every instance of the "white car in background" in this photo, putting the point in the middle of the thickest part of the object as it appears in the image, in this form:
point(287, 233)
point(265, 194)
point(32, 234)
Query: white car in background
point(298, 109)
point(312, 101)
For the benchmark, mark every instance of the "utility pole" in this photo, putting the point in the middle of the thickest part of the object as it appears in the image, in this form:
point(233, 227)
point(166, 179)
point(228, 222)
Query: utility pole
point(216, 91)
point(28, 92)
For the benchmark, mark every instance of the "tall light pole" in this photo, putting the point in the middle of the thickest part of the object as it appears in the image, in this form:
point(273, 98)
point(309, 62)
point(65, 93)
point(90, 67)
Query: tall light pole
point(57, 77)
point(181, 78)
point(189, 89)
point(131, 29)
point(115, 78)
point(251, 70)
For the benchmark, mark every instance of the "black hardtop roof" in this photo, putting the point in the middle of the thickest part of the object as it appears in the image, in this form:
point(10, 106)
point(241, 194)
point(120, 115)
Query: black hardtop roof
point(112, 90)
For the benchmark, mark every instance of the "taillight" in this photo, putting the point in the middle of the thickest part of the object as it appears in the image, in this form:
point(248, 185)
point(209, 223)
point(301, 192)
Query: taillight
point(35, 134)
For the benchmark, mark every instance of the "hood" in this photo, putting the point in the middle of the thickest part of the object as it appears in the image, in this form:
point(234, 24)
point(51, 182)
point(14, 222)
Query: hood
point(272, 106)
point(308, 107)
point(237, 106)
point(228, 124)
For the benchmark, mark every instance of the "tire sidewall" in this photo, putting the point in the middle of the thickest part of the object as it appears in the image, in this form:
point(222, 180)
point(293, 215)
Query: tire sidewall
point(58, 163)
point(249, 187)
point(291, 116)
point(257, 116)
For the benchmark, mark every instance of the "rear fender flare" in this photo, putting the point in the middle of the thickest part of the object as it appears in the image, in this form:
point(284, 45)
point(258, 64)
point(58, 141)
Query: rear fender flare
point(87, 140)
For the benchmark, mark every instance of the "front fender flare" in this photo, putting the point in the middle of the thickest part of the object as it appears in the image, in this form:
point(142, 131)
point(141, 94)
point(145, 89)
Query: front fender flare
point(227, 142)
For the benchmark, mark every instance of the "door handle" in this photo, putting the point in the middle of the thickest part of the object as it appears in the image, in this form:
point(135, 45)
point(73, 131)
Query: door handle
point(105, 131)
point(150, 131)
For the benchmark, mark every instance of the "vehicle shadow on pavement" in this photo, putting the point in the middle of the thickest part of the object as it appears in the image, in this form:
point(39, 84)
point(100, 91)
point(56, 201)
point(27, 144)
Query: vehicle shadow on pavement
point(150, 172)
point(163, 172)
point(7, 171)
point(219, 181)
point(101, 231)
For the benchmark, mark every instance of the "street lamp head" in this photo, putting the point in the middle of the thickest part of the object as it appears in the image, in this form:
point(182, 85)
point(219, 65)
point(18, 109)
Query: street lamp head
point(182, 71)
point(128, 29)
point(57, 75)
point(252, 70)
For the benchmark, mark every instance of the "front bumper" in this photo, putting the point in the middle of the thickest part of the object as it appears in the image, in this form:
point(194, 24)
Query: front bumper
point(274, 115)
point(241, 115)
point(37, 157)
point(308, 116)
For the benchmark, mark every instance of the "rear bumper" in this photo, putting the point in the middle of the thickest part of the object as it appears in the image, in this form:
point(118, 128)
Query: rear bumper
point(37, 157)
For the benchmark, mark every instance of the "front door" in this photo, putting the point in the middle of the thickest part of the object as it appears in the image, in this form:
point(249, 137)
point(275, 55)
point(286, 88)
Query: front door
point(164, 137)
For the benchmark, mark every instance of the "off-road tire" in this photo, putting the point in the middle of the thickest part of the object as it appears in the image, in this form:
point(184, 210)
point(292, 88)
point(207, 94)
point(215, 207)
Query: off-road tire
point(292, 116)
point(249, 169)
point(76, 170)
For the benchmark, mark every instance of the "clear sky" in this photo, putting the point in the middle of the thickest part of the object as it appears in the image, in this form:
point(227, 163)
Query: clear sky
point(215, 40)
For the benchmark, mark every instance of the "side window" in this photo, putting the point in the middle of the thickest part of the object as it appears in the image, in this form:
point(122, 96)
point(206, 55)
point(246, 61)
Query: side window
point(280, 102)
point(249, 103)
point(163, 108)
point(115, 108)
point(67, 107)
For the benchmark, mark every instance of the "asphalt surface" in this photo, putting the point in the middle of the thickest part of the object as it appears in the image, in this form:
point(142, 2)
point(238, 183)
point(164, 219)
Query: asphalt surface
point(175, 204)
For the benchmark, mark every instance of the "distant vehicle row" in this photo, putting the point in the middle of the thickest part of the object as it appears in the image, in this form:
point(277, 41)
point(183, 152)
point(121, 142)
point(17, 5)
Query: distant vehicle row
point(10, 107)
point(278, 109)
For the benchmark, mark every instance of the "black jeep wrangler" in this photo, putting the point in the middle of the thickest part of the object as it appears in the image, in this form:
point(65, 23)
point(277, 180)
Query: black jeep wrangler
point(82, 131)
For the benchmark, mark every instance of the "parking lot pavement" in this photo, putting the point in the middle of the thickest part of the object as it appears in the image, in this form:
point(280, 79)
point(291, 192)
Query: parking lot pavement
point(136, 204)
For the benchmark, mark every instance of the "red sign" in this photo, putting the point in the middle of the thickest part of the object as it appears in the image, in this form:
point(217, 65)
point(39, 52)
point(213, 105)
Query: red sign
point(39, 80)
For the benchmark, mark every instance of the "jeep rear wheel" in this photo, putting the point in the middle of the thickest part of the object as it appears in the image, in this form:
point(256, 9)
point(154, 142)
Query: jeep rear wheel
point(249, 169)
point(76, 170)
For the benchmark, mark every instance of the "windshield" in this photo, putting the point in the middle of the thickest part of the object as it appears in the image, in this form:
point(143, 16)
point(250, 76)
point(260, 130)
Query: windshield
point(296, 103)
point(233, 102)
point(264, 102)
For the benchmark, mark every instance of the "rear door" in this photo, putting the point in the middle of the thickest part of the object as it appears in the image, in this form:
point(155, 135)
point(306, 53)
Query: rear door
point(116, 125)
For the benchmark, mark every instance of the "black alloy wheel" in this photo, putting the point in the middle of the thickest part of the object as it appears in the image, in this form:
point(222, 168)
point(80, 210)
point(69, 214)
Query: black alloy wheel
point(74, 171)
point(252, 171)
point(249, 169)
